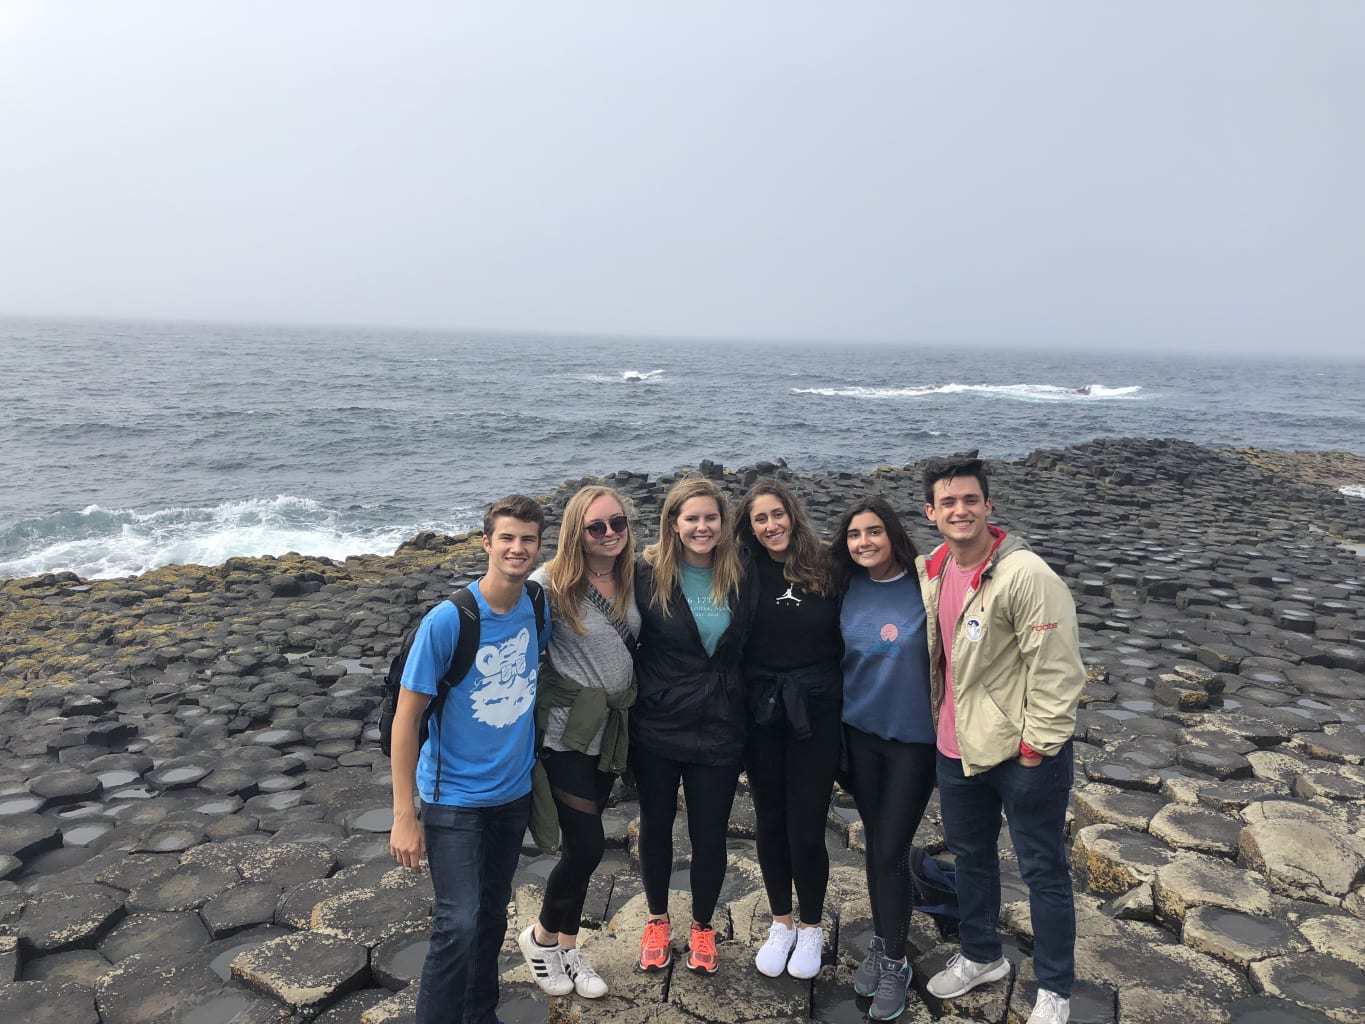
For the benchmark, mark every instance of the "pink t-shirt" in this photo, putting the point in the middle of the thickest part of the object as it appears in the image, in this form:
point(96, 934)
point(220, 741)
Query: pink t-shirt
point(952, 594)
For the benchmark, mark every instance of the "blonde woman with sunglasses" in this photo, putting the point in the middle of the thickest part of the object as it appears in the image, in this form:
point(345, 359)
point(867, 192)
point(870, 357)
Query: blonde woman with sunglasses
point(587, 681)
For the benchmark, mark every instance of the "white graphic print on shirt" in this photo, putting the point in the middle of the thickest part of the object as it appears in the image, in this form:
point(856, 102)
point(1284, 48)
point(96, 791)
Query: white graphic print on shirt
point(505, 692)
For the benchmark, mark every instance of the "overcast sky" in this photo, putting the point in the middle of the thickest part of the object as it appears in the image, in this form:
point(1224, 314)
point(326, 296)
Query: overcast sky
point(1180, 174)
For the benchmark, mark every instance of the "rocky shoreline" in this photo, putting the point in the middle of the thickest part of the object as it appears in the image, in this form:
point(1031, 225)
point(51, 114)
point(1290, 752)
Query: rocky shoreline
point(194, 811)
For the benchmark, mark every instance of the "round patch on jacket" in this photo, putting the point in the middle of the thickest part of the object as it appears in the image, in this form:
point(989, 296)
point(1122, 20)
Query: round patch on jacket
point(975, 631)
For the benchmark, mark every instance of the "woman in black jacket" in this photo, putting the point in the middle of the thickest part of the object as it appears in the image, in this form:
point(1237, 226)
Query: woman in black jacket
point(688, 722)
point(795, 683)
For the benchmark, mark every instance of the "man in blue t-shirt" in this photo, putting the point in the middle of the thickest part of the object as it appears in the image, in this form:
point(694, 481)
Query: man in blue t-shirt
point(473, 774)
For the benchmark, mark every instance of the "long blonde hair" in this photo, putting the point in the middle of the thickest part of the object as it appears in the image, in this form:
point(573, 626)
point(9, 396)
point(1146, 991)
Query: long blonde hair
point(568, 570)
point(664, 555)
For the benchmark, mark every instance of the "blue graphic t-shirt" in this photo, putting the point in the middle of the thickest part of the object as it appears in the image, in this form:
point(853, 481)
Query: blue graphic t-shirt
point(486, 734)
point(886, 659)
point(712, 619)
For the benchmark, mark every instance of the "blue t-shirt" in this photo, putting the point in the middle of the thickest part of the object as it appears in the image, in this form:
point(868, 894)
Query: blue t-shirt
point(712, 619)
point(486, 733)
point(886, 659)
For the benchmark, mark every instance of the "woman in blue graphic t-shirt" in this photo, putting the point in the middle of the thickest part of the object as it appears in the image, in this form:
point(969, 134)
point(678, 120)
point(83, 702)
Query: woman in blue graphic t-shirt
point(888, 727)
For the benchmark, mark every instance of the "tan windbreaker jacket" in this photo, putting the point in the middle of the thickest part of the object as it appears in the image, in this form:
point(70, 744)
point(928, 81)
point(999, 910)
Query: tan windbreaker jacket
point(1017, 671)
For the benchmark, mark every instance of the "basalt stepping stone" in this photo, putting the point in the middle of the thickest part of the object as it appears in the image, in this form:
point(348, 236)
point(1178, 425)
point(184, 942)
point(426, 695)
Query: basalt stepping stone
point(273, 821)
point(241, 907)
point(1316, 982)
point(326, 833)
point(279, 784)
point(1219, 764)
point(1198, 829)
point(288, 864)
point(269, 803)
point(149, 989)
point(1301, 859)
point(85, 967)
point(360, 849)
point(75, 918)
point(1268, 1010)
point(397, 961)
point(189, 887)
point(333, 729)
point(1328, 786)
point(307, 971)
point(1109, 860)
point(170, 839)
point(1238, 938)
point(369, 819)
point(61, 788)
point(154, 934)
point(296, 904)
point(231, 1006)
point(401, 1007)
point(230, 782)
point(351, 1008)
point(179, 777)
point(10, 864)
point(27, 836)
point(277, 738)
point(47, 1002)
point(133, 869)
point(1096, 804)
point(9, 959)
point(1337, 935)
point(1194, 880)
point(24, 803)
point(369, 916)
point(1123, 776)
point(1345, 746)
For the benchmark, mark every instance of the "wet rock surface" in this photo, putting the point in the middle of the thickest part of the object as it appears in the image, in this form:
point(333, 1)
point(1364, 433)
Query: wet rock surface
point(193, 807)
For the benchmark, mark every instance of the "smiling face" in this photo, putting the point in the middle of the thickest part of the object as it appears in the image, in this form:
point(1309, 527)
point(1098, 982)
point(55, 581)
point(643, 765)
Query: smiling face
point(604, 549)
point(698, 527)
point(771, 525)
point(870, 547)
point(512, 546)
point(960, 512)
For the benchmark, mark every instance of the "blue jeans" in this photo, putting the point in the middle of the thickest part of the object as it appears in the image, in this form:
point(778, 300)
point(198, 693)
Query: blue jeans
point(1034, 801)
point(472, 853)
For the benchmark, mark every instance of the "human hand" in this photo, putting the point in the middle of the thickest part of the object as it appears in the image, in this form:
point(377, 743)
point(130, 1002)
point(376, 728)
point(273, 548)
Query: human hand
point(406, 842)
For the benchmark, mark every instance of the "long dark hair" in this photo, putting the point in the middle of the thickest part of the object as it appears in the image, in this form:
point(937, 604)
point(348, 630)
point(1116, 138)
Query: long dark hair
point(902, 547)
point(807, 563)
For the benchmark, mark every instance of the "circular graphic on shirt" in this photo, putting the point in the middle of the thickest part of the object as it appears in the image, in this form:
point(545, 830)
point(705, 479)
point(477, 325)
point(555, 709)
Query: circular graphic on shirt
point(974, 630)
point(889, 633)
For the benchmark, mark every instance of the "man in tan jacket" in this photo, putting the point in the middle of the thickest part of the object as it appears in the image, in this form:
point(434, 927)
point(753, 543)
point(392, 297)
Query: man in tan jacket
point(1006, 676)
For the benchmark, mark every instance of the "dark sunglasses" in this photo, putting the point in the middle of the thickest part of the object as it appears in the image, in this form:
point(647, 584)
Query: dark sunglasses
point(597, 528)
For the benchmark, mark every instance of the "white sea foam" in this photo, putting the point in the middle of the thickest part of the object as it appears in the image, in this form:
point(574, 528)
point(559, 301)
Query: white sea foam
point(1022, 392)
point(1353, 490)
point(100, 543)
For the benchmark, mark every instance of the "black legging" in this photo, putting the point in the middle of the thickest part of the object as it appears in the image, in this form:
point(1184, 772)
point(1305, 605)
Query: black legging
point(580, 793)
point(892, 783)
point(791, 781)
point(710, 792)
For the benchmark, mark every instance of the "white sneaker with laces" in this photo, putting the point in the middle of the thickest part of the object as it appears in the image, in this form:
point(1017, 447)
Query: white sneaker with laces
point(586, 981)
point(810, 947)
point(962, 975)
point(772, 956)
point(547, 966)
point(1050, 1009)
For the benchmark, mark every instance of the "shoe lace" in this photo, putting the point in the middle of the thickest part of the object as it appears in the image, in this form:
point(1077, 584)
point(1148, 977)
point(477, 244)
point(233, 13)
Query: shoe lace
point(1050, 1003)
point(808, 939)
point(704, 943)
point(960, 966)
point(656, 935)
point(577, 965)
point(890, 983)
point(777, 933)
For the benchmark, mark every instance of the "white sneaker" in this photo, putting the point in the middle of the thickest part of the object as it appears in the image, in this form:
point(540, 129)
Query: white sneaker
point(547, 966)
point(810, 946)
point(586, 981)
point(962, 975)
point(1050, 1009)
point(772, 956)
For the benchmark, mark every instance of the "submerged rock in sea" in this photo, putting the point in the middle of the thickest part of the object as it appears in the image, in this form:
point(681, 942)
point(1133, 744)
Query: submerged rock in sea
point(194, 810)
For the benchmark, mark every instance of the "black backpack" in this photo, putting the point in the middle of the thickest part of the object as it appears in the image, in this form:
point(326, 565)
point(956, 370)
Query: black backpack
point(466, 647)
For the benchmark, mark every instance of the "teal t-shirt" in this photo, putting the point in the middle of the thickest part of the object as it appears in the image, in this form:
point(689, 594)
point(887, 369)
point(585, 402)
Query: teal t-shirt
point(712, 619)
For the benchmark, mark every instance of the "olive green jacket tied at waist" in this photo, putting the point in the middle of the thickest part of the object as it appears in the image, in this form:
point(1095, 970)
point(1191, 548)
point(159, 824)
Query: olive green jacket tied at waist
point(590, 708)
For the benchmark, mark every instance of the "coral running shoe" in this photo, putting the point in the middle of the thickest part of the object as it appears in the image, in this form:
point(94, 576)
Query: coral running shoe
point(701, 950)
point(655, 951)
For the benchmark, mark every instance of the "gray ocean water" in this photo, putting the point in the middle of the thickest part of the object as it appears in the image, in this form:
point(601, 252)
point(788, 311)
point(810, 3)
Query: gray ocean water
point(125, 446)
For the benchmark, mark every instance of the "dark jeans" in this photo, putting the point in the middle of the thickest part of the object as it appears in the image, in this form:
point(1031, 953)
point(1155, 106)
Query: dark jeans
point(791, 781)
point(580, 793)
point(1034, 801)
point(472, 853)
point(710, 792)
point(892, 783)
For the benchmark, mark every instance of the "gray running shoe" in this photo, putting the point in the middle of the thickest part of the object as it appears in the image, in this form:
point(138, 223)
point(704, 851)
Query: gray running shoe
point(888, 1002)
point(865, 977)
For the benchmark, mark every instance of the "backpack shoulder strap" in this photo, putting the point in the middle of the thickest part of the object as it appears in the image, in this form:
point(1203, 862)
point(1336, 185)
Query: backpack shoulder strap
point(537, 594)
point(467, 646)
